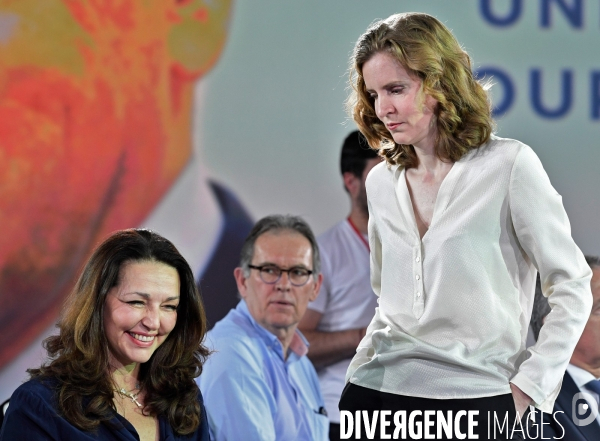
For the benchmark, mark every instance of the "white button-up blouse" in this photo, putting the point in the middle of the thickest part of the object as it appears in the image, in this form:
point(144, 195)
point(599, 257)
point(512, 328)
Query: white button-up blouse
point(454, 306)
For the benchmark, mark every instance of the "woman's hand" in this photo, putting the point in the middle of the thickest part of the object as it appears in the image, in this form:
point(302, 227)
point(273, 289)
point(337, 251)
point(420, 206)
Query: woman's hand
point(522, 400)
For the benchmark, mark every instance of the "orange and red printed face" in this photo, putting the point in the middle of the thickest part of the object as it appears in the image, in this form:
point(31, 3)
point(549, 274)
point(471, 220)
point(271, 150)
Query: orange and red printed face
point(95, 113)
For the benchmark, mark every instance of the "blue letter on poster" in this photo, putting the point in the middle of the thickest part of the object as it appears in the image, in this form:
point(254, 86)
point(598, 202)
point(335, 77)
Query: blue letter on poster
point(573, 13)
point(499, 77)
point(595, 94)
point(566, 96)
point(485, 7)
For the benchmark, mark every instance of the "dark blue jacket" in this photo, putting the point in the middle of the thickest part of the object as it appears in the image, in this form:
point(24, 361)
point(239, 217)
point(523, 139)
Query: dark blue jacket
point(32, 415)
point(561, 425)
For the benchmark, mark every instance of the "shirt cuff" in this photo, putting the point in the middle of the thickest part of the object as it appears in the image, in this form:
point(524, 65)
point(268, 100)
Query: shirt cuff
point(542, 402)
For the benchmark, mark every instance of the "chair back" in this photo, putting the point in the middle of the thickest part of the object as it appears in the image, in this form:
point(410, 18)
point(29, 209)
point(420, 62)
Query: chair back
point(3, 409)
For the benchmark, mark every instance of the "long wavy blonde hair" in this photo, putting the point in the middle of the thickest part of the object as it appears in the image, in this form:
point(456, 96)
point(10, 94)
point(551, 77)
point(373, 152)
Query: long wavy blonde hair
point(428, 50)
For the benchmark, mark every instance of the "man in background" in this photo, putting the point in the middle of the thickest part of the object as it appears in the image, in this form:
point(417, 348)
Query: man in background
point(574, 417)
point(336, 321)
point(259, 382)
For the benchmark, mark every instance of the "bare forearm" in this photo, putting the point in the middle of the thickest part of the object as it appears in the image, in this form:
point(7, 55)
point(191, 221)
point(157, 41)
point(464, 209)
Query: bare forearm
point(330, 347)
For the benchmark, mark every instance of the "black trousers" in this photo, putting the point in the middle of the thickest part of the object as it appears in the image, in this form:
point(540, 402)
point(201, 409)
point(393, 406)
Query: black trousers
point(408, 418)
point(334, 432)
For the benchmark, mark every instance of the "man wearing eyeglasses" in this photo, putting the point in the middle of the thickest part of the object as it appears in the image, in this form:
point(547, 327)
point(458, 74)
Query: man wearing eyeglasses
point(259, 384)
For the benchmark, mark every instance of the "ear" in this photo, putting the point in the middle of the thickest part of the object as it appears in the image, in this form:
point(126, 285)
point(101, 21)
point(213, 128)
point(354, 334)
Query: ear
point(352, 183)
point(316, 288)
point(240, 280)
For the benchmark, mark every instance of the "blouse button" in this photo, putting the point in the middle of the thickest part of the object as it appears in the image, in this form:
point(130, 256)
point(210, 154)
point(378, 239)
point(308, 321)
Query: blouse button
point(418, 293)
point(418, 277)
point(418, 259)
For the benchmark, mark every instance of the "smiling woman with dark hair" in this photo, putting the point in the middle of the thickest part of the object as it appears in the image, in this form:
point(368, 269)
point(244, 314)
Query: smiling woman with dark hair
point(128, 350)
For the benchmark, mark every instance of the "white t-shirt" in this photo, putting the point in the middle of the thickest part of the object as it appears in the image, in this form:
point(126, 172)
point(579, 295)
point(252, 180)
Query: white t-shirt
point(346, 300)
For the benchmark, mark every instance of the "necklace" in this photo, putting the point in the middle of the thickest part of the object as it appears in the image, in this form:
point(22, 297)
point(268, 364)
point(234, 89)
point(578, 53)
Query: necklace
point(130, 395)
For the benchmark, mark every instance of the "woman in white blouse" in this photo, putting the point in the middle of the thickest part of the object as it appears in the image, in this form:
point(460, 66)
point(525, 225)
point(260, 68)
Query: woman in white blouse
point(460, 222)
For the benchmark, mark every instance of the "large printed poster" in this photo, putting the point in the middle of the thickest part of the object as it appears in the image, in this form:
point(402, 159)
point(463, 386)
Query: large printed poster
point(96, 104)
point(195, 117)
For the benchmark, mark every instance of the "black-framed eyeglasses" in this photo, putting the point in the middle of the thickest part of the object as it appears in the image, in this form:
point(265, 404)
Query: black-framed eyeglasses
point(271, 274)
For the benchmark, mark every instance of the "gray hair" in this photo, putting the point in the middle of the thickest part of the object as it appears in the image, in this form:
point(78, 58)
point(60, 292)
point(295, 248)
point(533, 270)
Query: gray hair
point(278, 223)
point(541, 307)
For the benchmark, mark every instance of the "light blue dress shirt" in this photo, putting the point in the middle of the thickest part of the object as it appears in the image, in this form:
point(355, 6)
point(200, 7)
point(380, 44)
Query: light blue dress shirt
point(252, 393)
